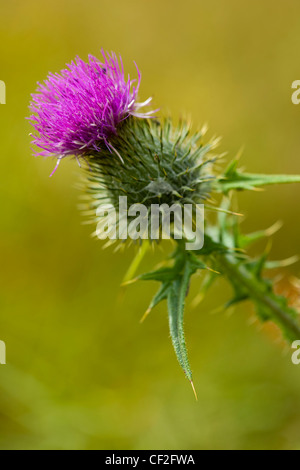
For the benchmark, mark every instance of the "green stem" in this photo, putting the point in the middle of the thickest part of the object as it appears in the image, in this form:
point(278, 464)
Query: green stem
point(284, 316)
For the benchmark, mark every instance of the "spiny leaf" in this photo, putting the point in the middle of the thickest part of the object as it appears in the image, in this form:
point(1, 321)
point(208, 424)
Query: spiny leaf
point(162, 275)
point(176, 301)
point(236, 179)
point(175, 284)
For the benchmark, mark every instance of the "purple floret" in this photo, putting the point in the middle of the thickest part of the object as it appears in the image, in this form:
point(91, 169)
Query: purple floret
point(77, 110)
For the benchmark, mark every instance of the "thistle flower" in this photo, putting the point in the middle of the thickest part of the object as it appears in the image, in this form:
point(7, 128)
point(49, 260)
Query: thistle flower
point(79, 109)
point(90, 111)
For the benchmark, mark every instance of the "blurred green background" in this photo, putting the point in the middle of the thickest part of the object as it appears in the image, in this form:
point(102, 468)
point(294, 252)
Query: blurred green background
point(81, 372)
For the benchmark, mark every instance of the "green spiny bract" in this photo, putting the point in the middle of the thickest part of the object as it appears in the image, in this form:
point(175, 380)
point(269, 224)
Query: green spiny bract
point(153, 163)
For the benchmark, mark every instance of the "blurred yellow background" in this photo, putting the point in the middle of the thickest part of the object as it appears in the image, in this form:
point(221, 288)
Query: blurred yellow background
point(81, 372)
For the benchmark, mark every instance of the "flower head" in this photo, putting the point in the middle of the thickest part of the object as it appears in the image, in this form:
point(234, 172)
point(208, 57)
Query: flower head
point(76, 111)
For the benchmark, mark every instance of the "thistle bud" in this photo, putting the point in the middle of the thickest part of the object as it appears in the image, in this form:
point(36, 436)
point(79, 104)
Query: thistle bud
point(161, 167)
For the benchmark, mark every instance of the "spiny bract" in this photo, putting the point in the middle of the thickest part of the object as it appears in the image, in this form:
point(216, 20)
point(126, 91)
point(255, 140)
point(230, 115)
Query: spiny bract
point(161, 164)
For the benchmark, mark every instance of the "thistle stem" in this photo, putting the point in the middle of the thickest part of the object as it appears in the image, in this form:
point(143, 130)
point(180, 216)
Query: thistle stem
point(257, 291)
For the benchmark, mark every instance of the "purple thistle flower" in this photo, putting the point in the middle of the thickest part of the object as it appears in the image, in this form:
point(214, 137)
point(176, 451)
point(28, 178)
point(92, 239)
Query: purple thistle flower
point(76, 111)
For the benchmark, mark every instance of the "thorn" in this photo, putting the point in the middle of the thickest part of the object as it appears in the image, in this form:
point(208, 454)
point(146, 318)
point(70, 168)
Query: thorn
point(219, 209)
point(274, 228)
point(287, 262)
point(212, 270)
point(145, 315)
point(241, 252)
point(235, 213)
point(194, 390)
point(131, 281)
